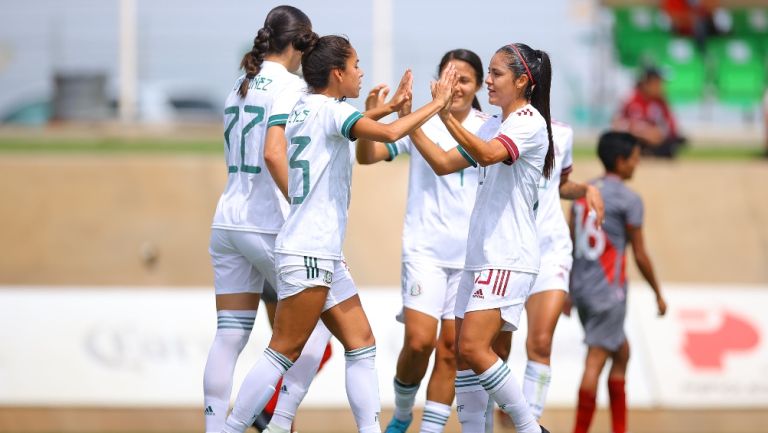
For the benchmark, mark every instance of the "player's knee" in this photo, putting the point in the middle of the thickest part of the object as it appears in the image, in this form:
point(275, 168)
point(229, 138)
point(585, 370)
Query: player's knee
point(472, 351)
point(539, 346)
point(420, 344)
point(503, 346)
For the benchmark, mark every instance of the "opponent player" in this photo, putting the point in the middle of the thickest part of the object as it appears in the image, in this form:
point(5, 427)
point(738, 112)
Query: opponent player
point(502, 248)
point(434, 247)
point(598, 280)
point(313, 281)
point(250, 211)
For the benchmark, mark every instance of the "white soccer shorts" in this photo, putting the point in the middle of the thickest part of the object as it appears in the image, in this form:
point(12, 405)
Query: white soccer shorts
point(297, 273)
point(490, 289)
point(554, 273)
point(429, 289)
point(241, 261)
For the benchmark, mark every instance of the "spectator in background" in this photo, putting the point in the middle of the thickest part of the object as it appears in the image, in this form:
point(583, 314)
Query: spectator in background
point(692, 18)
point(647, 116)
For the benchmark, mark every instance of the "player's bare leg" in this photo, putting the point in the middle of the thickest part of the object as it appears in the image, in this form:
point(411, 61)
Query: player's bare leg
point(479, 330)
point(616, 385)
point(595, 361)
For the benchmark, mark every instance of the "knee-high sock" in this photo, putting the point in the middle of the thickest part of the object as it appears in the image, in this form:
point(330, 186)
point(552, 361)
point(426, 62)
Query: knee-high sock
point(489, 415)
point(405, 397)
point(257, 388)
point(363, 388)
point(435, 416)
point(232, 332)
point(297, 380)
point(471, 402)
point(618, 405)
point(585, 411)
point(535, 386)
point(500, 384)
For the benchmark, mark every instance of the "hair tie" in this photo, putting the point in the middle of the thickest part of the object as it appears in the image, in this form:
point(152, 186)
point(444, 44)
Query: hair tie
point(527, 70)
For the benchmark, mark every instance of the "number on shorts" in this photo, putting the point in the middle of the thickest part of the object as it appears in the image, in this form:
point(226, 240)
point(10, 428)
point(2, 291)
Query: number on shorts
point(301, 142)
point(589, 241)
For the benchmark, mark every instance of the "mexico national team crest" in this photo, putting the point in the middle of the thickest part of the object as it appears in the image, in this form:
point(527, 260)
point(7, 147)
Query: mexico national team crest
point(328, 277)
point(416, 289)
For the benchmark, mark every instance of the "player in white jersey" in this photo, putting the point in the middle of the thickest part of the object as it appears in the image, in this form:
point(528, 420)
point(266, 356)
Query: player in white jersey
point(434, 241)
point(502, 248)
point(546, 300)
point(251, 210)
point(311, 273)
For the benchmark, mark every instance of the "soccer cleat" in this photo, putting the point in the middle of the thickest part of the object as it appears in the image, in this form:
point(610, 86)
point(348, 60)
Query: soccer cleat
point(397, 426)
point(543, 430)
point(275, 429)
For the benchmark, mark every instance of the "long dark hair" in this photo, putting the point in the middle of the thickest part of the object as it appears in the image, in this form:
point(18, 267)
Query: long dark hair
point(284, 25)
point(535, 64)
point(322, 56)
point(473, 60)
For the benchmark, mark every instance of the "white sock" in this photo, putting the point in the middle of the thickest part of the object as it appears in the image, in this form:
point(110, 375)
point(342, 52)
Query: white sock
point(232, 332)
point(405, 397)
point(363, 388)
point(257, 389)
point(504, 389)
point(272, 428)
point(435, 416)
point(535, 386)
point(297, 380)
point(489, 415)
point(471, 402)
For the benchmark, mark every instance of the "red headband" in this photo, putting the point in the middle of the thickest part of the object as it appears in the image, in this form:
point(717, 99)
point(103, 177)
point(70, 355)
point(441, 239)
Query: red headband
point(524, 64)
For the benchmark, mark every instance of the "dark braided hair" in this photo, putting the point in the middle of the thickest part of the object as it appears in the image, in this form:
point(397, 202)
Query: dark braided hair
point(536, 66)
point(473, 60)
point(284, 25)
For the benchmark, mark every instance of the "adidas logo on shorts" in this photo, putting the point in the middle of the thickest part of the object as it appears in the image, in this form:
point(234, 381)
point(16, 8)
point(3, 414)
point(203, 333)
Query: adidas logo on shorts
point(478, 294)
point(209, 411)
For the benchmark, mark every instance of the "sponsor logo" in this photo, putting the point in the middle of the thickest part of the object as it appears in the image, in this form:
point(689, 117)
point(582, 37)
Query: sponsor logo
point(707, 348)
point(478, 294)
point(416, 289)
point(328, 277)
point(209, 411)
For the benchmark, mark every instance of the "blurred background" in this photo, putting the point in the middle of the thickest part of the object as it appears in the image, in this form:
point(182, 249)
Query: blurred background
point(111, 165)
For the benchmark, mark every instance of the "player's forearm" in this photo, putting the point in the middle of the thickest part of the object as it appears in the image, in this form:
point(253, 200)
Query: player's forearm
point(571, 190)
point(406, 124)
point(377, 113)
point(436, 157)
point(646, 269)
point(370, 152)
point(474, 145)
point(278, 169)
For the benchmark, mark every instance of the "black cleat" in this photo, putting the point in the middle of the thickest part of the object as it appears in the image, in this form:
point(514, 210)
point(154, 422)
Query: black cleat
point(543, 430)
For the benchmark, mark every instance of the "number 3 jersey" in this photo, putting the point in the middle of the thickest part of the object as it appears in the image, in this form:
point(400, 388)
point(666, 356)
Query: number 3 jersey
point(251, 200)
point(320, 172)
point(598, 277)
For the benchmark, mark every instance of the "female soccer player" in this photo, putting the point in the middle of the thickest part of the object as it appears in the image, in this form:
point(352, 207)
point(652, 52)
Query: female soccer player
point(251, 210)
point(434, 247)
point(313, 281)
point(502, 248)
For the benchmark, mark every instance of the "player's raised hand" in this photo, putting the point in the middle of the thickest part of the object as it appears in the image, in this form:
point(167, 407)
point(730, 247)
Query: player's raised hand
point(406, 108)
point(595, 203)
point(442, 89)
point(404, 93)
point(376, 97)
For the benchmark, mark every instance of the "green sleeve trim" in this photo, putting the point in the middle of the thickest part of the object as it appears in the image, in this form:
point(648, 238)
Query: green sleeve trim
point(392, 149)
point(466, 156)
point(346, 127)
point(277, 119)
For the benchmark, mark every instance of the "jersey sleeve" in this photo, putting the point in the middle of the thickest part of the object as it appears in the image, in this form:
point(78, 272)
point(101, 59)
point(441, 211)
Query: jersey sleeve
point(283, 103)
point(400, 146)
point(635, 211)
point(344, 118)
point(519, 136)
point(567, 153)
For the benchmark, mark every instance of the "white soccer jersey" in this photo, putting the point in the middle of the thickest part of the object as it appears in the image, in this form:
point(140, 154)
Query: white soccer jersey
point(318, 134)
point(438, 210)
point(251, 200)
point(554, 235)
point(502, 229)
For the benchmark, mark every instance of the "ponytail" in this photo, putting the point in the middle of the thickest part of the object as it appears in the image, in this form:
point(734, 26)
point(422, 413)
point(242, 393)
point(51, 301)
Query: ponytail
point(253, 59)
point(284, 26)
point(540, 101)
point(476, 104)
